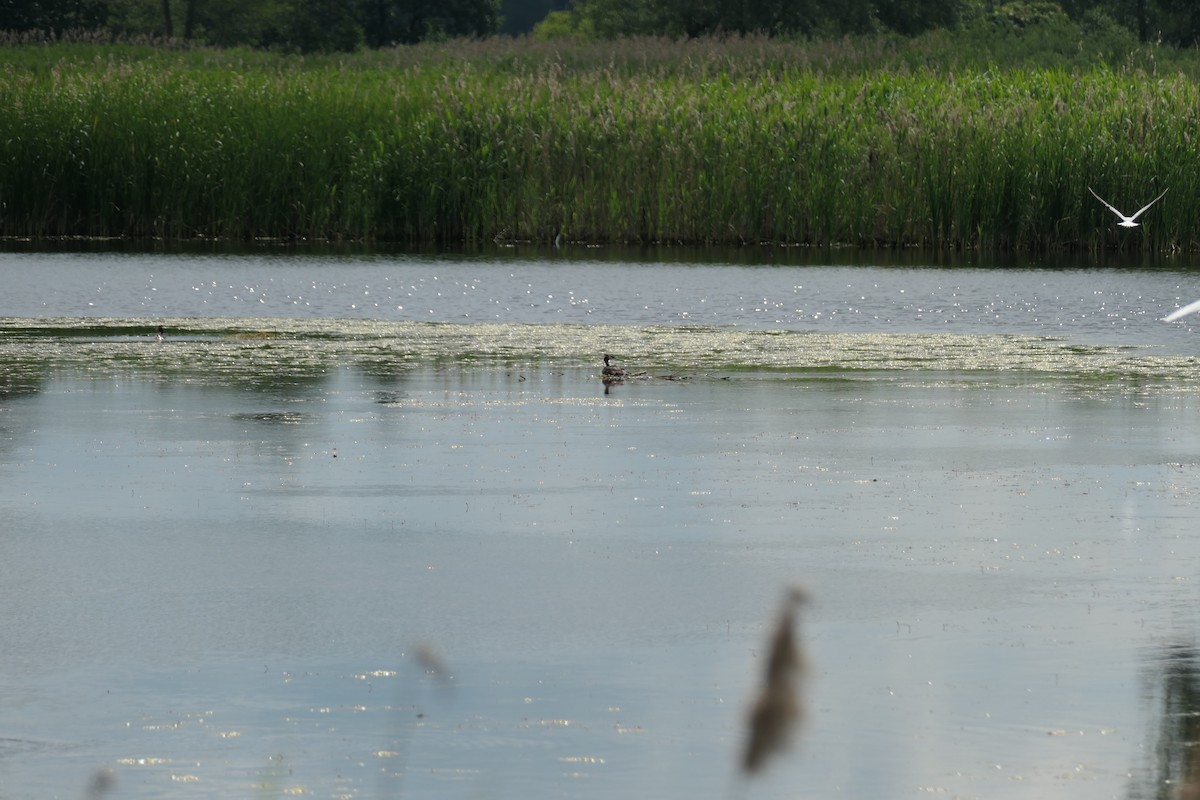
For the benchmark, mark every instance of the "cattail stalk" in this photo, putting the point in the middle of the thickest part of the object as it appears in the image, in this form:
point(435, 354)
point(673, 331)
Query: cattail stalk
point(777, 710)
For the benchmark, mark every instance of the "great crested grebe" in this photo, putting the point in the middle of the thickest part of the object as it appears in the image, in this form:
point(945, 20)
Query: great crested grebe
point(610, 372)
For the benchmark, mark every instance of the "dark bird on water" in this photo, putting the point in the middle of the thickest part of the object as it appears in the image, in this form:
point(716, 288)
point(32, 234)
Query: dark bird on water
point(610, 371)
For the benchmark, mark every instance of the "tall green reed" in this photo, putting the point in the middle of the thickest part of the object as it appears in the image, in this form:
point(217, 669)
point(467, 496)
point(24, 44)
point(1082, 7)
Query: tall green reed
point(447, 149)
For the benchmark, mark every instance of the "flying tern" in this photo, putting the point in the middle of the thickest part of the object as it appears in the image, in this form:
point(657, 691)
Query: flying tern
point(1126, 222)
point(1190, 308)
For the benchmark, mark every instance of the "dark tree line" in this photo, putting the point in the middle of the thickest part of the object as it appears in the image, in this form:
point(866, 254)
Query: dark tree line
point(1175, 22)
point(301, 25)
point(25, 15)
point(307, 25)
point(693, 18)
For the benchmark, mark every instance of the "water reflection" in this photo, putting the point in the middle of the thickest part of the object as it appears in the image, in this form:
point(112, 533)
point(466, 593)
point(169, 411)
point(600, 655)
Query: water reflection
point(1086, 306)
point(1172, 692)
point(209, 541)
point(297, 356)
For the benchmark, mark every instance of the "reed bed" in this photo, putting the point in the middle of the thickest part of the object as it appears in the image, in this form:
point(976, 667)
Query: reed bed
point(448, 149)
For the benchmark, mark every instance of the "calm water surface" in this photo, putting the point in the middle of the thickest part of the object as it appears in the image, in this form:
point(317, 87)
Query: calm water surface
point(373, 527)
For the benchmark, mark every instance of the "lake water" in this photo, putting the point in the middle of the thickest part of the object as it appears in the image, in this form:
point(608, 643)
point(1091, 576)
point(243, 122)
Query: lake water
point(372, 526)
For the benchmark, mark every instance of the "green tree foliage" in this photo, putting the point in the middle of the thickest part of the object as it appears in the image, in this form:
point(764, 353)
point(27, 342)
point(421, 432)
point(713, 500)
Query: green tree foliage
point(291, 25)
point(52, 17)
point(1179, 22)
point(562, 25)
point(694, 18)
point(137, 18)
point(910, 17)
point(228, 23)
point(1174, 22)
point(389, 22)
point(342, 25)
point(521, 16)
point(321, 25)
point(1024, 13)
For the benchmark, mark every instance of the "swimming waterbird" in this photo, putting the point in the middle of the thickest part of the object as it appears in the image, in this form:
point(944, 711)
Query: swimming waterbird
point(611, 372)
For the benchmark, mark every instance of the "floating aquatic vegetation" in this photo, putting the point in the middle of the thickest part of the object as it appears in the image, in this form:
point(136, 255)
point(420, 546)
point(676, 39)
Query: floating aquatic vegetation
point(303, 352)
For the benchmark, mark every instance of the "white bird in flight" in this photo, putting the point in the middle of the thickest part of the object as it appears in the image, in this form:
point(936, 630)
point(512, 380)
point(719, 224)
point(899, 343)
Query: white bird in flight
point(1190, 308)
point(1126, 222)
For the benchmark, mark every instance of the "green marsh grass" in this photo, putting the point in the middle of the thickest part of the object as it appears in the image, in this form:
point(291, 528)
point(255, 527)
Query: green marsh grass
point(470, 142)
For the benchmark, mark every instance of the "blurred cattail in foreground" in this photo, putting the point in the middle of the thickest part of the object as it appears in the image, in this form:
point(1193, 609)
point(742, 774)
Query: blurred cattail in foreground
point(1190, 788)
point(431, 660)
point(777, 711)
point(103, 781)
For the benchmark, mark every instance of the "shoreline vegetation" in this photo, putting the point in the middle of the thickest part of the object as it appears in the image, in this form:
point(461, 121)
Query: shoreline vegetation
point(876, 143)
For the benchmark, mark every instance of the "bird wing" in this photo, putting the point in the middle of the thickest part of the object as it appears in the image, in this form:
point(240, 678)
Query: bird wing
point(1110, 206)
point(1152, 202)
point(1190, 308)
